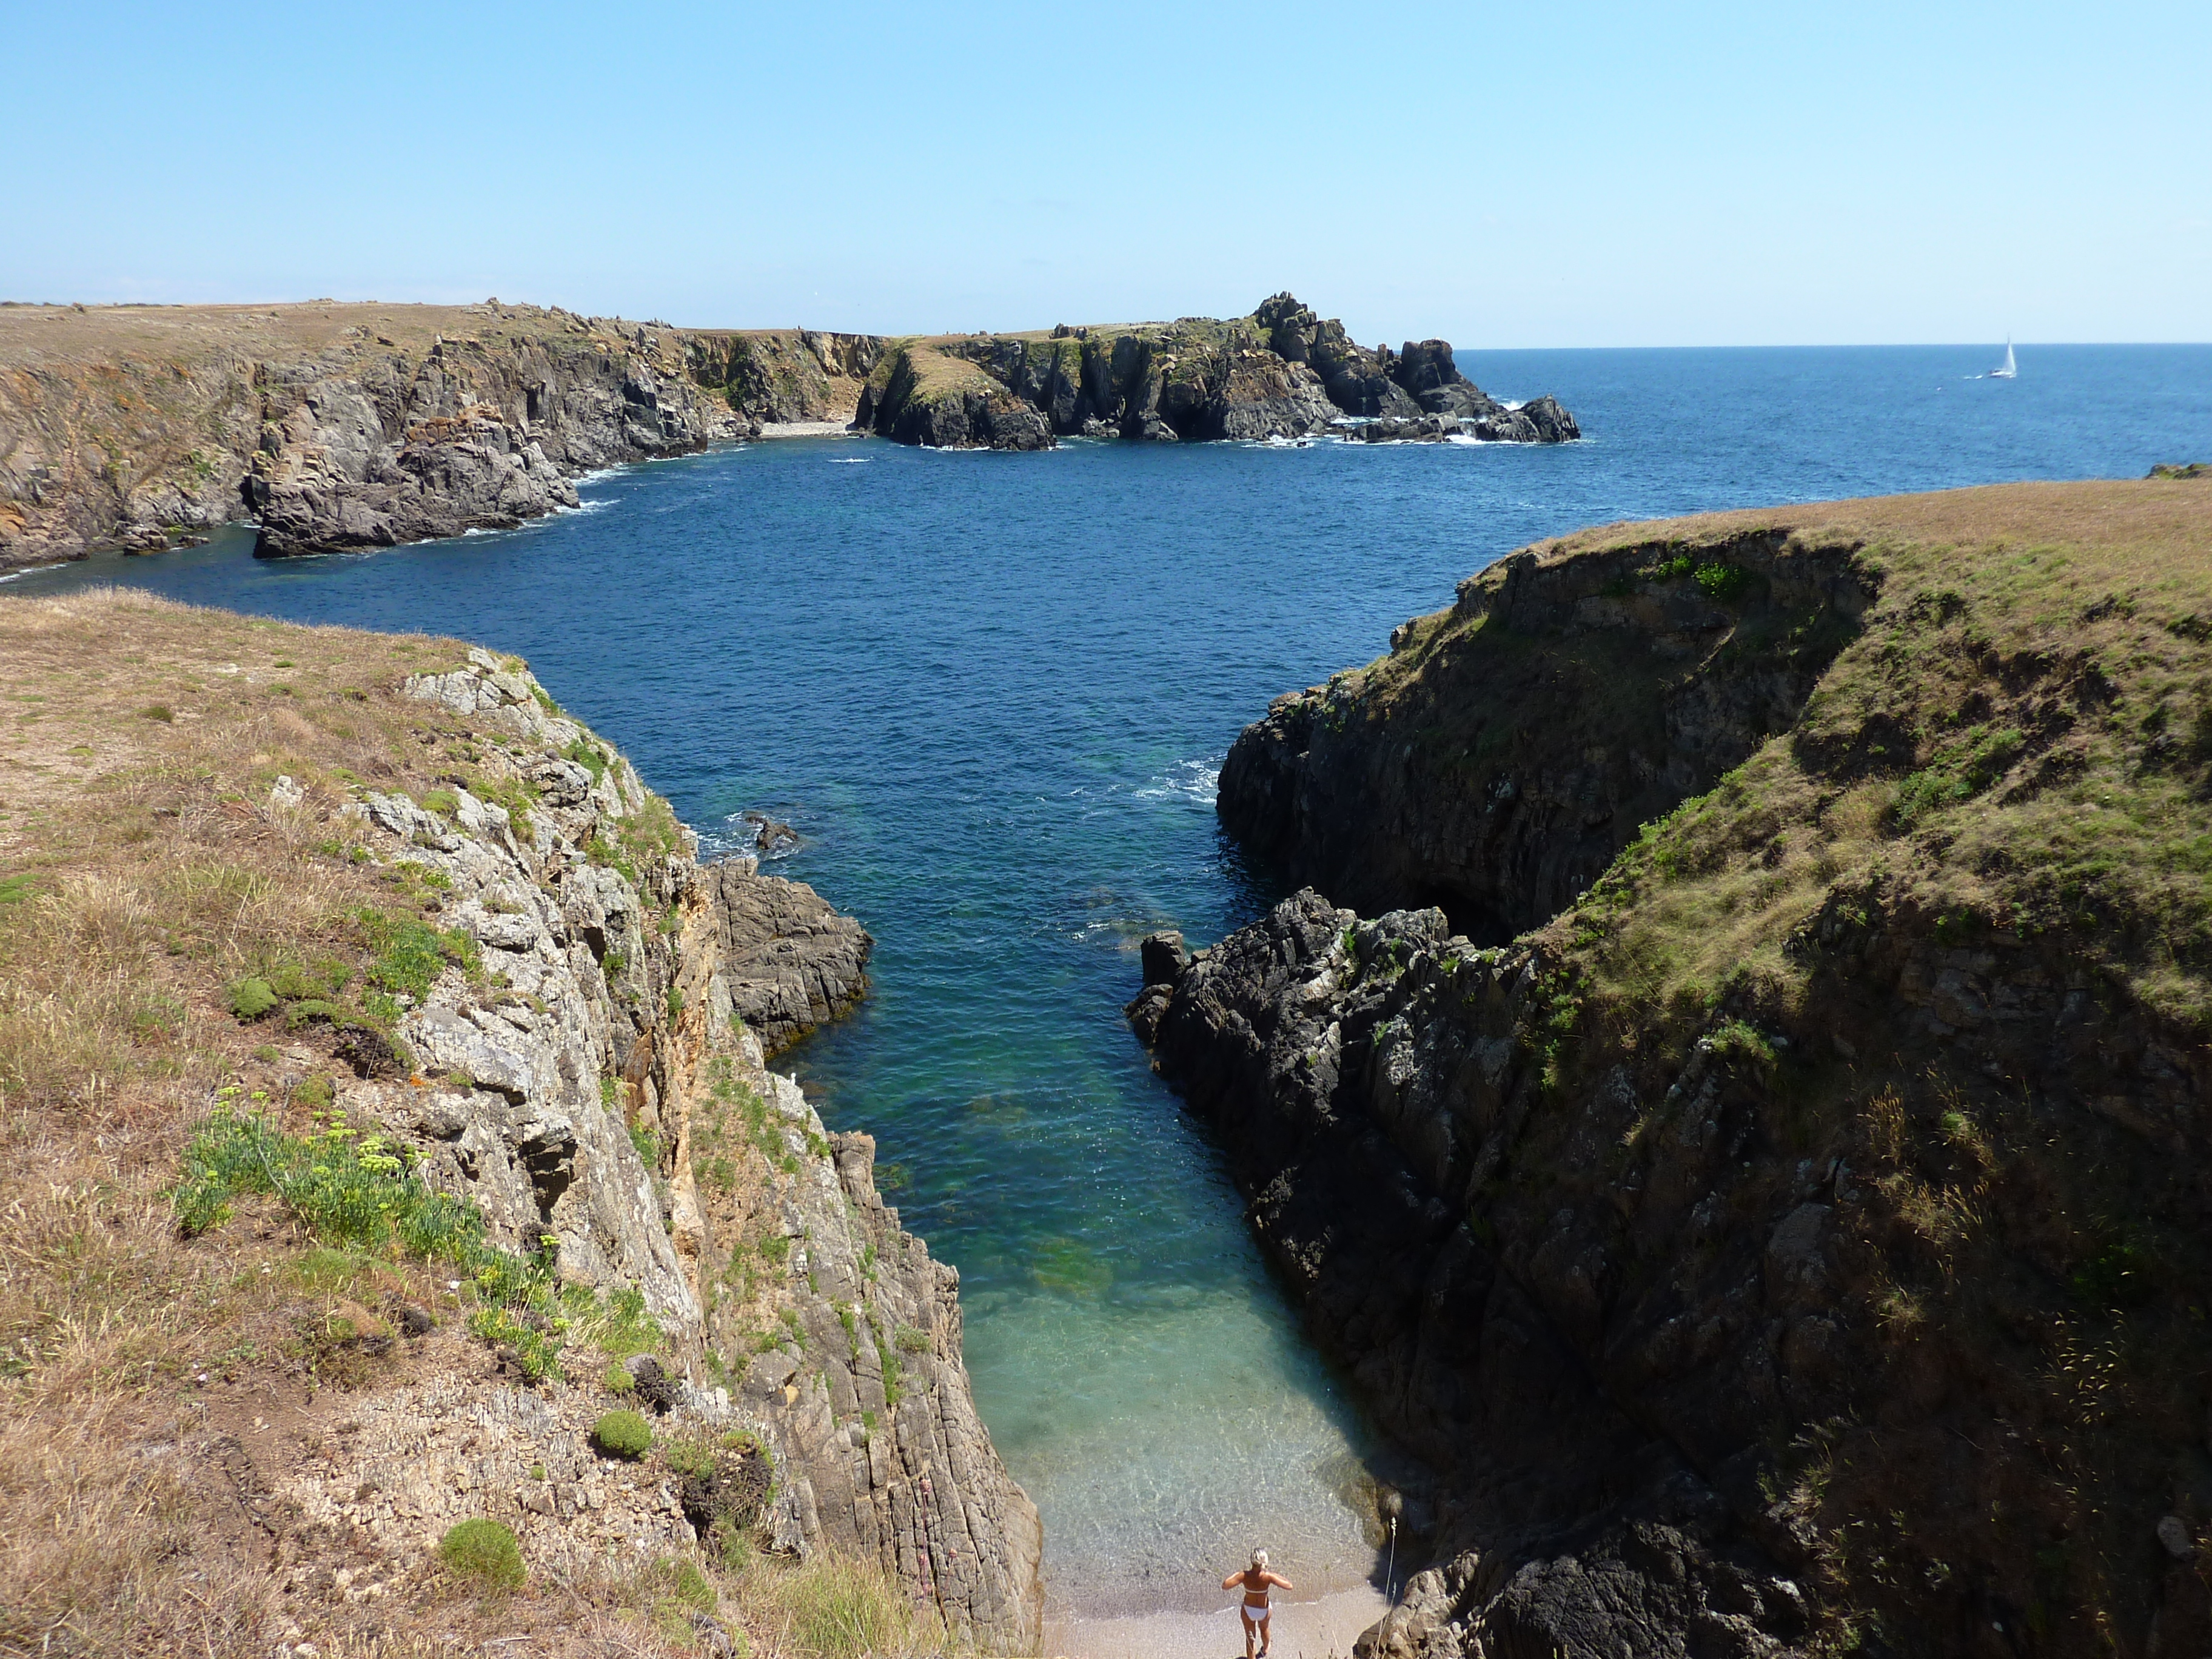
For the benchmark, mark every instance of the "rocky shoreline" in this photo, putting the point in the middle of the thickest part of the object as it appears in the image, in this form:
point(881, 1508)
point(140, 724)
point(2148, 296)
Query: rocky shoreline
point(676, 979)
point(336, 427)
point(1697, 1120)
point(344, 427)
point(1282, 372)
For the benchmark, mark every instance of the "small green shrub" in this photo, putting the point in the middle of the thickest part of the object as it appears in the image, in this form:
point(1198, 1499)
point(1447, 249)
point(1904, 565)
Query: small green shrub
point(689, 1586)
point(316, 1093)
point(249, 999)
point(1722, 582)
point(623, 1434)
point(911, 1340)
point(444, 802)
point(295, 982)
point(618, 1380)
point(410, 954)
point(675, 1002)
point(602, 852)
point(160, 711)
point(483, 1549)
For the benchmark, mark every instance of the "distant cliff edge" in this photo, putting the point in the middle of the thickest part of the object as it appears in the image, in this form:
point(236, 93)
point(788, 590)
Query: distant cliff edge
point(336, 428)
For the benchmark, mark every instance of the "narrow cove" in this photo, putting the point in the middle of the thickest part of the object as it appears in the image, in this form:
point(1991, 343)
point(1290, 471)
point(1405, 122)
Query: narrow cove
point(990, 693)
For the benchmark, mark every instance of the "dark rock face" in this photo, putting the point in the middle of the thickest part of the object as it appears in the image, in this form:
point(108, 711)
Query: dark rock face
point(1366, 1078)
point(379, 451)
point(792, 961)
point(1709, 1293)
point(1281, 373)
point(1425, 368)
point(1500, 827)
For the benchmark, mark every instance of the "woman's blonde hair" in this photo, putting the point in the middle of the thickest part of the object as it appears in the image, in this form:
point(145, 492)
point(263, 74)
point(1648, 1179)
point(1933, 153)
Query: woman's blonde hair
point(1259, 1560)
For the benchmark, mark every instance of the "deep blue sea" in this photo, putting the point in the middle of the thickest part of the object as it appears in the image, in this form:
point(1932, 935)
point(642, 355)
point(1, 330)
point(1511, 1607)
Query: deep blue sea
point(992, 692)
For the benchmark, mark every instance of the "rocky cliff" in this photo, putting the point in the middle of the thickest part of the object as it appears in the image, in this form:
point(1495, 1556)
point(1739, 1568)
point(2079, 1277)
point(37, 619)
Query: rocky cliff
point(336, 427)
point(426, 908)
point(1279, 372)
point(343, 426)
point(333, 426)
point(777, 1257)
point(1770, 1191)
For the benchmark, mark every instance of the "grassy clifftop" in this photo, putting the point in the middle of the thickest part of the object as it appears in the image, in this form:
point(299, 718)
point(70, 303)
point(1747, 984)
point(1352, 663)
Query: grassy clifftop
point(285, 1305)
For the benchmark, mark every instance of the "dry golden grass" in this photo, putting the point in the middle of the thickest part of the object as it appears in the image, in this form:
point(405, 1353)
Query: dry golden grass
point(142, 868)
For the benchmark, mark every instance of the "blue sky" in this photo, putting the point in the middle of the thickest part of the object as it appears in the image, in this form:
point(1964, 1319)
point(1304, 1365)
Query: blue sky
point(1543, 176)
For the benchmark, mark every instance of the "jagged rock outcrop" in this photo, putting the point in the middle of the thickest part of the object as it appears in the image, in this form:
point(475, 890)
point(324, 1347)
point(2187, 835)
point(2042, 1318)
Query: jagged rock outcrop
point(837, 1331)
point(1792, 1240)
point(482, 433)
point(606, 1091)
point(921, 396)
point(1419, 780)
point(1279, 372)
point(1542, 422)
point(1362, 1095)
point(791, 961)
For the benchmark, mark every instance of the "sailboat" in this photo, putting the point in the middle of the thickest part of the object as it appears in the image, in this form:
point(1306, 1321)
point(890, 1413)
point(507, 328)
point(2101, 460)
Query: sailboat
point(2009, 370)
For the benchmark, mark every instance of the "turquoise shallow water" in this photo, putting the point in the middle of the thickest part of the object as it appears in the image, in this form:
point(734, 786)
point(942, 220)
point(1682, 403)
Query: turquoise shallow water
point(990, 691)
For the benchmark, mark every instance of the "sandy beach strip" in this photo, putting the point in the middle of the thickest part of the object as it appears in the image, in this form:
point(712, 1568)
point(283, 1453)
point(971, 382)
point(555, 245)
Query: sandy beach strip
point(1324, 1629)
point(810, 429)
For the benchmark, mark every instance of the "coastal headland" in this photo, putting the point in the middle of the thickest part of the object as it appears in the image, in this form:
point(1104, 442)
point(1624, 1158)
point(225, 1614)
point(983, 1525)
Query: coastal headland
point(1730, 1090)
point(406, 1233)
point(340, 427)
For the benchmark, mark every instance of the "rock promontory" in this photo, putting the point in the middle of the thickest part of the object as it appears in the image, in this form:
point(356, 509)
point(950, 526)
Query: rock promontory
point(343, 426)
point(1282, 372)
point(1731, 1092)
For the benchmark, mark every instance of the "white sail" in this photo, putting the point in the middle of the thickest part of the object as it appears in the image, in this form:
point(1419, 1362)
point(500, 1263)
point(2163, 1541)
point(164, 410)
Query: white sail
point(2011, 369)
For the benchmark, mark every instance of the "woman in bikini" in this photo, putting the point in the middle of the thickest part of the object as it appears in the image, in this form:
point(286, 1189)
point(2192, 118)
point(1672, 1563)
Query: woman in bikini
point(1255, 1581)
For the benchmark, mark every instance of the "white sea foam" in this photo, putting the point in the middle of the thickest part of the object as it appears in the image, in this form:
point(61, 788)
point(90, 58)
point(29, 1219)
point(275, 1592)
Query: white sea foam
point(849, 461)
point(33, 569)
point(735, 835)
point(1192, 781)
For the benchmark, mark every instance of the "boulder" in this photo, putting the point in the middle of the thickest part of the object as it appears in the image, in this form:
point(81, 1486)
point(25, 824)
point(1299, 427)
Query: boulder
point(790, 961)
point(1165, 956)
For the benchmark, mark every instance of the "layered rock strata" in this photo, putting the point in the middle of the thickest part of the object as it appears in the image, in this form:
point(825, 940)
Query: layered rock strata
point(1777, 1220)
point(1279, 372)
point(343, 426)
point(597, 1083)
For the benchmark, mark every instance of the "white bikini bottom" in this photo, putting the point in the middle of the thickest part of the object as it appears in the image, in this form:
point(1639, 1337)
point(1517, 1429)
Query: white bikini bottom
point(1253, 1615)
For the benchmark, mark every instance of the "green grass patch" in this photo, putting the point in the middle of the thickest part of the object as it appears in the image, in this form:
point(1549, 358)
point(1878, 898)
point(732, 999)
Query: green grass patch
point(351, 1188)
point(484, 1550)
